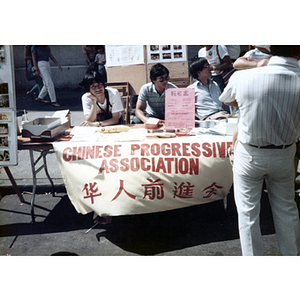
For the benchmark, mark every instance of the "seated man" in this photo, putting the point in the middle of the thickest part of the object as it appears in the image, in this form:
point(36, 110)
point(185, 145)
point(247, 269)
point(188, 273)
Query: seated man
point(207, 92)
point(152, 95)
point(101, 106)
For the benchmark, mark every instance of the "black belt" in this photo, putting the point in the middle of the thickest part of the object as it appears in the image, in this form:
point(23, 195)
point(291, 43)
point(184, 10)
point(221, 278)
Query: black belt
point(272, 146)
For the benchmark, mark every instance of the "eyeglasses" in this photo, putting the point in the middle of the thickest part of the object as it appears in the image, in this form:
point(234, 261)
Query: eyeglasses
point(162, 79)
point(206, 67)
point(96, 86)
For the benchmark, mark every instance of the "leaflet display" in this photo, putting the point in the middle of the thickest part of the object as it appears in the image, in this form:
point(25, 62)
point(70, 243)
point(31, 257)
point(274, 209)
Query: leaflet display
point(8, 120)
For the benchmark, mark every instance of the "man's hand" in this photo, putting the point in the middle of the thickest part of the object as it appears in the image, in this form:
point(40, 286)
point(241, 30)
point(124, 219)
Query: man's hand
point(88, 123)
point(264, 62)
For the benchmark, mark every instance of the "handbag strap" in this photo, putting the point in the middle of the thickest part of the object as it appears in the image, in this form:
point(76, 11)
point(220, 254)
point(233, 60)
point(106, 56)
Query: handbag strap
point(107, 104)
point(221, 60)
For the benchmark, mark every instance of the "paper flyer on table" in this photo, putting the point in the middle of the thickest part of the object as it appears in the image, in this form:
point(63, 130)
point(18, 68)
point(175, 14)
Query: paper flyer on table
point(180, 108)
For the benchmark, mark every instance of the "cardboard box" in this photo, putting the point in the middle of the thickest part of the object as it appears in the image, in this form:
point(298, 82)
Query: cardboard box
point(152, 123)
point(39, 125)
point(48, 127)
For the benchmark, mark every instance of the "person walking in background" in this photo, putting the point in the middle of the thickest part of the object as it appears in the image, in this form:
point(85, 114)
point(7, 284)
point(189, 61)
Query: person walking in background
point(90, 53)
point(269, 102)
point(100, 61)
point(41, 56)
point(28, 67)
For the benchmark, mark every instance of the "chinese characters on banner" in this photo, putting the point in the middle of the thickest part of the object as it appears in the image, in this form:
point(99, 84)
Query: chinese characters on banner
point(120, 178)
point(179, 108)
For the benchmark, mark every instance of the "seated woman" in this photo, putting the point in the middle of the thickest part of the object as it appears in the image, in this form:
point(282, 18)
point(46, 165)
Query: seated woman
point(101, 106)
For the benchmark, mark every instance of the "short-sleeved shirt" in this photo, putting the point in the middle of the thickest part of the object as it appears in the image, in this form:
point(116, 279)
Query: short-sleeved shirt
point(114, 100)
point(100, 59)
point(256, 55)
point(42, 53)
point(206, 101)
point(155, 103)
point(212, 56)
point(269, 102)
point(90, 51)
point(233, 51)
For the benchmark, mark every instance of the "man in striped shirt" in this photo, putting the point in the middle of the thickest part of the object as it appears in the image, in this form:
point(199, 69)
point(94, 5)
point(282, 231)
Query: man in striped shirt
point(151, 99)
point(269, 125)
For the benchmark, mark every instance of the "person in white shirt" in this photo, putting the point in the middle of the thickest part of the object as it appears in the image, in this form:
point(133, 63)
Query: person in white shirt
point(269, 102)
point(213, 53)
point(233, 51)
point(102, 106)
point(254, 58)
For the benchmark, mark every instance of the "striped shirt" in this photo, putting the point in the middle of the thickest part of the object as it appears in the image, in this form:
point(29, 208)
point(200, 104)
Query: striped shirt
point(155, 103)
point(269, 102)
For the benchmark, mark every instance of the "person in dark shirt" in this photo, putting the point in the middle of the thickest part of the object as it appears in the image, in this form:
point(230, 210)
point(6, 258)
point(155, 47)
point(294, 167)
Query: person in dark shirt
point(40, 57)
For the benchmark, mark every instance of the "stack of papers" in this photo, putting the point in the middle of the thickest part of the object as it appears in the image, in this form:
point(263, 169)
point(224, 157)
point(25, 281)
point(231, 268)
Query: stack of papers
point(92, 134)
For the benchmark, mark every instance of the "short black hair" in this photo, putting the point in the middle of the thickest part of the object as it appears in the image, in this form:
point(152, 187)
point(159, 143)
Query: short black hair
point(285, 50)
point(158, 70)
point(90, 78)
point(197, 65)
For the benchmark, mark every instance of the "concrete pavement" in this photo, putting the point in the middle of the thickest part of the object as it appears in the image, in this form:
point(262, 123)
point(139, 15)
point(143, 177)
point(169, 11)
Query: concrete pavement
point(203, 230)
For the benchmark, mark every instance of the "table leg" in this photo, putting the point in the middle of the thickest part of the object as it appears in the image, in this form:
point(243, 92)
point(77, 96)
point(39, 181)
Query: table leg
point(13, 182)
point(44, 153)
point(34, 184)
point(33, 162)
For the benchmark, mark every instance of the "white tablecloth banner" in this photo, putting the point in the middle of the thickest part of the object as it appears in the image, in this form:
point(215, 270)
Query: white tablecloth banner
point(121, 178)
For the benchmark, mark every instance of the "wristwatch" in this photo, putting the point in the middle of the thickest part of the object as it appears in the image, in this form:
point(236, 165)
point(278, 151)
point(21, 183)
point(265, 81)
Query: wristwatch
point(99, 124)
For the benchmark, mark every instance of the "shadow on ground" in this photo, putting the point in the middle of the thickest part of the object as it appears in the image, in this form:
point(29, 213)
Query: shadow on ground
point(67, 98)
point(181, 228)
point(149, 234)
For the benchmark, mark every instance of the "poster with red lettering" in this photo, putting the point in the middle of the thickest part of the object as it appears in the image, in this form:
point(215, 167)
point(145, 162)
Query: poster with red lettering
point(180, 108)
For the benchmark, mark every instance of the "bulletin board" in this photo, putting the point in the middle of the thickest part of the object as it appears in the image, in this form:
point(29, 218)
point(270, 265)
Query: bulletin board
point(124, 55)
point(8, 119)
point(166, 53)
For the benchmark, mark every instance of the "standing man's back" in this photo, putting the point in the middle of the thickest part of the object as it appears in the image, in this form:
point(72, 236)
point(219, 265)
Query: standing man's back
point(269, 101)
point(269, 125)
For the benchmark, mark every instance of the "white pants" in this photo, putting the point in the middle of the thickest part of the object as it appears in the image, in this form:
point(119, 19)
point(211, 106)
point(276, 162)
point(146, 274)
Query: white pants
point(251, 166)
point(45, 72)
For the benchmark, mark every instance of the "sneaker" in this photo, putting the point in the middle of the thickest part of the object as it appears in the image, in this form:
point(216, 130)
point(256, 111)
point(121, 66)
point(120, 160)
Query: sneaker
point(45, 101)
point(55, 104)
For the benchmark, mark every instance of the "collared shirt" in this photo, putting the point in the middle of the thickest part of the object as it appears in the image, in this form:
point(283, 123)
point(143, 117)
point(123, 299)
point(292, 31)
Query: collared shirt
point(155, 103)
point(269, 102)
point(206, 101)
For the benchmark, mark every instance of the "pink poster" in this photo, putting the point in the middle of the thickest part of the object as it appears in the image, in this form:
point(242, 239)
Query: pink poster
point(179, 108)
